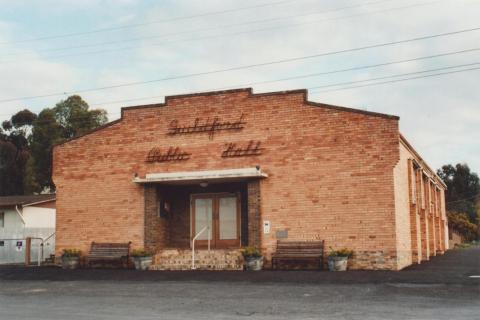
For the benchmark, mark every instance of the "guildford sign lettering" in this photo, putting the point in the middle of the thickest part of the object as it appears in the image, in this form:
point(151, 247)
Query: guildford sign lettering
point(207, 126)
point(231, 150)
point(172, 154)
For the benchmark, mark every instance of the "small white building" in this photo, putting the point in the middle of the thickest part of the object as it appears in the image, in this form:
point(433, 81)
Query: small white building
point(22, 217)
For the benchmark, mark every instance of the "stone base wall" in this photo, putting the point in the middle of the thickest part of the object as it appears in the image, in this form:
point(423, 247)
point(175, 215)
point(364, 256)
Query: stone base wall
point(180, 259)
point(373, 260)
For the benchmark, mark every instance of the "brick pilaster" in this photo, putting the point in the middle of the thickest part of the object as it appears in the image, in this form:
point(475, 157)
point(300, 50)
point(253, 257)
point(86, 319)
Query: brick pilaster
point(253, 191)
point(156, 236)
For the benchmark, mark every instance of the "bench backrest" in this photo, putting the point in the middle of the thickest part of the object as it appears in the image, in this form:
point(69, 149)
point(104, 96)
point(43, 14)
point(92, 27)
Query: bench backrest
point(300, 247)
point(110, 249)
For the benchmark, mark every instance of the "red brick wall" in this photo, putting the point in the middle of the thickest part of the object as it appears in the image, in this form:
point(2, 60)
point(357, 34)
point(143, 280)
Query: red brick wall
point(331, 171)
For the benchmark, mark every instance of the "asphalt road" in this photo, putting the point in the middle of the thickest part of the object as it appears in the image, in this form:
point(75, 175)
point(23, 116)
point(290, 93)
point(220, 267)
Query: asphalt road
point(440, 289)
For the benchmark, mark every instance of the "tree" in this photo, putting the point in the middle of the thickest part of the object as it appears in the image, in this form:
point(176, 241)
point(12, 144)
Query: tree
point(23, 119)
point(463, 189)
point(46, 133)
point(462, 199)
point(74, 116)
point(27, 140)
point(69, 118)
point(14, 152)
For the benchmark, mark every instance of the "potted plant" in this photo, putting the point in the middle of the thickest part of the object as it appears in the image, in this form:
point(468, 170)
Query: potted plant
point(142, 259)
point(338, 259)
point(71, 258)
point(253, 259)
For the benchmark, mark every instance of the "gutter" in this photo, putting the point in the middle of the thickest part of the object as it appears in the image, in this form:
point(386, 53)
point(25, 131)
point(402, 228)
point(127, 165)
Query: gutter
point(38, 202)
point(20, 214)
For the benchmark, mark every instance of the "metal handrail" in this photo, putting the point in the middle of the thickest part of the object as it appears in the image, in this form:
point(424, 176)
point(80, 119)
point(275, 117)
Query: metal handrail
point(43, 244)
point(193, 244)
point(47, 238)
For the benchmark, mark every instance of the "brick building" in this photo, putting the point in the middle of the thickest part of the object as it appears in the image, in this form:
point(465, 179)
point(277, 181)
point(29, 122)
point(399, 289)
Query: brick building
point(249, 169)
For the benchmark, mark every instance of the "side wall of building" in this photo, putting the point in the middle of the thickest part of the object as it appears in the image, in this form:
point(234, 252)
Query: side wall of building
point(419, 206)
point(403, 225)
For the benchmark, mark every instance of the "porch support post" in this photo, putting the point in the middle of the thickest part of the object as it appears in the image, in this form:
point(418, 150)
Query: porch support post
point(253, 190)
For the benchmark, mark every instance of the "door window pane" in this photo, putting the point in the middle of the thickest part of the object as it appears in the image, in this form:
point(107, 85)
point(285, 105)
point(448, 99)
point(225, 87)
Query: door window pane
point(203, 217)
point(228, 218)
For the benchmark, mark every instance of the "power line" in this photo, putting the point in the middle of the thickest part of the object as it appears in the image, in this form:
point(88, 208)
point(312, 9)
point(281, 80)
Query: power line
point(372, 84)
point(309, 75)
point(338, 84)
point(245, 66)
point(377, 83)
point(355, 68)
point(222, 27)
point(211, 13)
point(166, 43)
point(395, 75)
point(398, 80)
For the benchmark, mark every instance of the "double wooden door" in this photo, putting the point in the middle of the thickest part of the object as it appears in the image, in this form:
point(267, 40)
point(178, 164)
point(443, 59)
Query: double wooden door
point(219, 213)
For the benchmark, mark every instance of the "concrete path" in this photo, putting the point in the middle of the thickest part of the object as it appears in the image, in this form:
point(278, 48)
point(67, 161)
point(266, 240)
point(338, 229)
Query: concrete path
point(440, 289)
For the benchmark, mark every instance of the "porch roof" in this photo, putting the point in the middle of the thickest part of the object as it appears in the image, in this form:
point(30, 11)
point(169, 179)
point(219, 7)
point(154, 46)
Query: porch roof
point(185, 177)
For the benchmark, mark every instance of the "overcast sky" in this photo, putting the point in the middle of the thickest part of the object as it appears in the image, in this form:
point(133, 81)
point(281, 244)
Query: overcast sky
point(127, 41)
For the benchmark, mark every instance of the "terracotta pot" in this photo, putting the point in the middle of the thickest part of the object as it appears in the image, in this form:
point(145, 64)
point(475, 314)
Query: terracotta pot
point(142, 263)
point(254, 263)
point(70, 262)
point(337, 263)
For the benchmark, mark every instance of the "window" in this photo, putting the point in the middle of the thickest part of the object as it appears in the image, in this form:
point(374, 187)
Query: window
point(2, 219)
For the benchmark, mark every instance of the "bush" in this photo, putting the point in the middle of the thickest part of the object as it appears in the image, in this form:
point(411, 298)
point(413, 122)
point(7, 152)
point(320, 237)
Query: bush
point(139, 253)
point(251, 252)
point(344, 252)
point(72, 252)
point(461, 223)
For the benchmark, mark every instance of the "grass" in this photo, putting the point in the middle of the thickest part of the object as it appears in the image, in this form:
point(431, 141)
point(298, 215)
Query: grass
point(467, 244)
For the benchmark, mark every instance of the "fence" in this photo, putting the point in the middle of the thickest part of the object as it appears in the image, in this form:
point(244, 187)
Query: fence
point(26, 250)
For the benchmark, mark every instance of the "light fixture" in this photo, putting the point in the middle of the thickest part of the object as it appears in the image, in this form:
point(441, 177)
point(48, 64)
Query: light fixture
point(204, 184)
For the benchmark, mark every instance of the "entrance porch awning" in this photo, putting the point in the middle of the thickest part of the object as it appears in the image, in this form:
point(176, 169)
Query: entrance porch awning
point(187, 177)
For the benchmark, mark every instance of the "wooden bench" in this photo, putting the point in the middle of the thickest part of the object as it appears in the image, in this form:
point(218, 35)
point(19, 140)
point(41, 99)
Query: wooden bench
point(298, 251)
point(109, 253)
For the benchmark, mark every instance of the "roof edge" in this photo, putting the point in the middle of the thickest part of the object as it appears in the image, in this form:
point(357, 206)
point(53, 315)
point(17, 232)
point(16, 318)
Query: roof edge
point(426, 166)
point(250, 92)
point(106, 125)
point(353, 110)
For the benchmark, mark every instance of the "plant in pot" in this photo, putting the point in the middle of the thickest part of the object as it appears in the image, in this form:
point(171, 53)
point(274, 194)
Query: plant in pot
point(71, 258)
point(338, 259)
point(142, 259)
point(253, 259)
